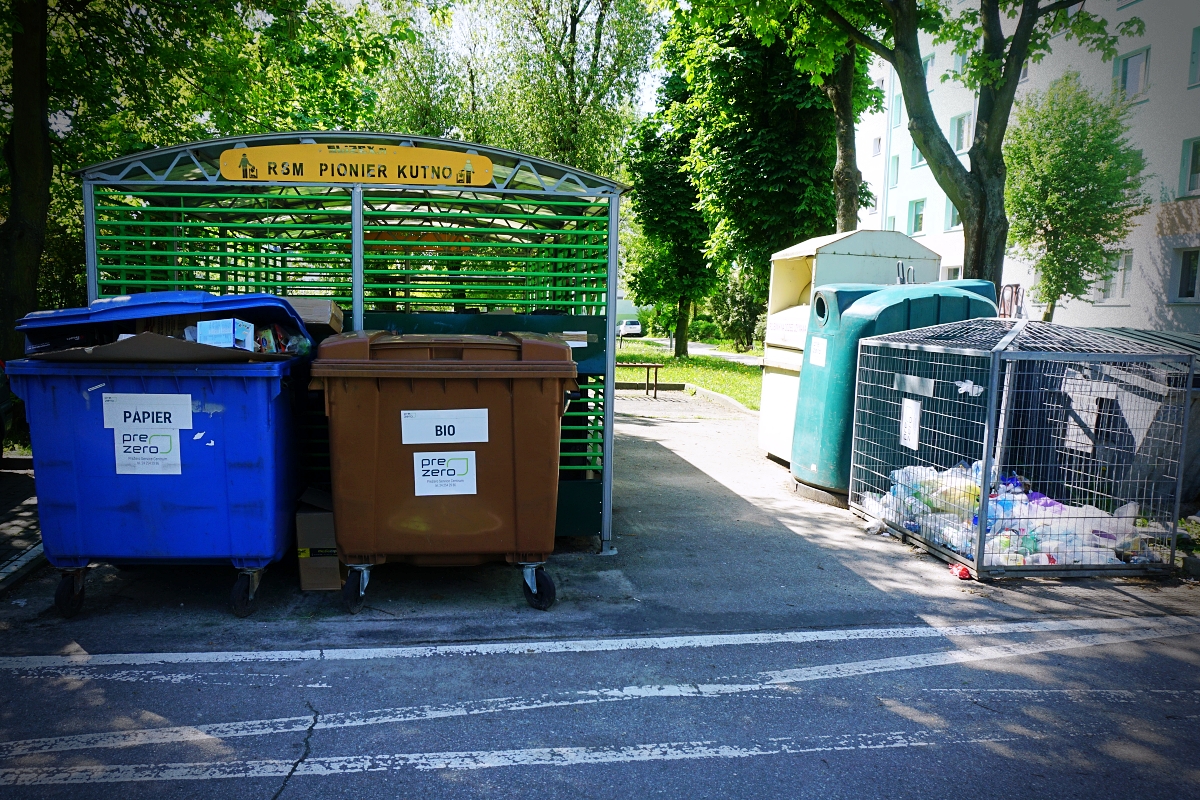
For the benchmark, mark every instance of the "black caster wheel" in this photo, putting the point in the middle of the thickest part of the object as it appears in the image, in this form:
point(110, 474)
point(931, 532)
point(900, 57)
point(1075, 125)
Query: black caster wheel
point(67, 600)
point(352, 591)
point(244, 604)
point(545, 590)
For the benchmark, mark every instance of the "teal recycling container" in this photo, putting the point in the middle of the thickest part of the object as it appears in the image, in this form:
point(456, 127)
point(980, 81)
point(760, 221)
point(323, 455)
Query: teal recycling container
point(842, 314)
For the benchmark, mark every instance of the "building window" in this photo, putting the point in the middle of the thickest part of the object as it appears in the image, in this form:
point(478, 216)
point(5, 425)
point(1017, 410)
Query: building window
point(891, 223)
point(1189, 178)
point(1194, 67)
point(953, 220)
point(1133, 73)
point(960, 63)
point(1189, 271)
point(1025, 71)
point(879, 84)
point(927, 64)
point(918, 158)
point(894, 172)
point(1113, 287)
point(916, 217)
point(897, 109)
point(876, 146)
point(960, 132)
point(951, 273)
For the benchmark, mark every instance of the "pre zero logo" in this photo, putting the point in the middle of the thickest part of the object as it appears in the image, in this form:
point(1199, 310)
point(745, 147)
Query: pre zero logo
point(444, 473)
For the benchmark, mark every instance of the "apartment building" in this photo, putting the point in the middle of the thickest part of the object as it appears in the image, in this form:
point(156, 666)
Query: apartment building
point(1157, 280)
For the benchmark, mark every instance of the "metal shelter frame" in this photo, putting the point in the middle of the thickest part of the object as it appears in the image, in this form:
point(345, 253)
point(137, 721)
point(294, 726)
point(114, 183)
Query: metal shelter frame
point(539, 242)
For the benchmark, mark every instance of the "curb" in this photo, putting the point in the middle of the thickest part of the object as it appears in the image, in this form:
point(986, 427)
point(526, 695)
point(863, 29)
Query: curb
point(720, 398)
point(16, 569)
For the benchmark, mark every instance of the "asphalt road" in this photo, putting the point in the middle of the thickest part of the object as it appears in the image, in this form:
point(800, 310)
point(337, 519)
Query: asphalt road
point(742, 643)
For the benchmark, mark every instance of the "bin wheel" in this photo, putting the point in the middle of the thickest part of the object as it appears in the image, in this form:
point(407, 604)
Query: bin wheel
point(545, 591)
point(240, 598)
point(353, 597)
point(68, 601)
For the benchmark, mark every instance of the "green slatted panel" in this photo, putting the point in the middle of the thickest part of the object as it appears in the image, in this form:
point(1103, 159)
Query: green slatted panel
point(289, 241)
point(442, 251)
point(423, 250)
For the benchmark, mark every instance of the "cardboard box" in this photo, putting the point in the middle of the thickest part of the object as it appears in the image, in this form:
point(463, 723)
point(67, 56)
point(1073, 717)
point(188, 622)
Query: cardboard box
point(320, 569)
point(233, 333)
point(317, 311)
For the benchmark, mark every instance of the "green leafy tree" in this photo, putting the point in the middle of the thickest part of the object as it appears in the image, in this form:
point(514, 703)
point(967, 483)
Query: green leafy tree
point(88, 81)
point(738, 308)
point(1074, 186)
point(995, 38)
point(570, 75)
point(667, 263)
point(837, 65)
point(764, 146)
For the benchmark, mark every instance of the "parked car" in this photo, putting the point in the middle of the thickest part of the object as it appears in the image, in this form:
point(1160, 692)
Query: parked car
point(629, 327)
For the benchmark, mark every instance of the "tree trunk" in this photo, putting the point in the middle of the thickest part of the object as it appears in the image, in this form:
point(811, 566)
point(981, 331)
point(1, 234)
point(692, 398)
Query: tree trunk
point(683, 316)
point(1048, 314)
point(30, 168)
point(839, 88)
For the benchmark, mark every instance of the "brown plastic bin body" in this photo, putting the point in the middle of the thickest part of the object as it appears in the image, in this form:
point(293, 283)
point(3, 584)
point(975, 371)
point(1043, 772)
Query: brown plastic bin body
point(371, 378)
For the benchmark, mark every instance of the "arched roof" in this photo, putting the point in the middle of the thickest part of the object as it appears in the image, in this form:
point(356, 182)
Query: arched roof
point(199, 162)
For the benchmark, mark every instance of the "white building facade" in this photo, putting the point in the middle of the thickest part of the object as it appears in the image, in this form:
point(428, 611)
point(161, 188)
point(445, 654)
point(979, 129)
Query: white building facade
point(1157, 283)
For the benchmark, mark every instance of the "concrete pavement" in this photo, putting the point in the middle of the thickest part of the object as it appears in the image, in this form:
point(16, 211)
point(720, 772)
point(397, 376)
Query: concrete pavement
point(742, 643)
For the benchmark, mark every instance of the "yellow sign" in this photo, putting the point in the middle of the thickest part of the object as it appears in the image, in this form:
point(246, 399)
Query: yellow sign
point(355, 163)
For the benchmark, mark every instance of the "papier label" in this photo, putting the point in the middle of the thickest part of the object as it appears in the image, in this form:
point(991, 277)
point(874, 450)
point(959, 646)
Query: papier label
point(448, 472)
point(449, 426)
point(816, 355)
point(148, 410)
point(146, 431)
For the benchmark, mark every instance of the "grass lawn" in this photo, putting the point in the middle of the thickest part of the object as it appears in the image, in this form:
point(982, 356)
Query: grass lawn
point(740, 381)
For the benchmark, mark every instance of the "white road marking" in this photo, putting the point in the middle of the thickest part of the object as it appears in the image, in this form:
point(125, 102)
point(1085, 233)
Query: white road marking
point(475, 759)
point(770, 681)
point(581, 645)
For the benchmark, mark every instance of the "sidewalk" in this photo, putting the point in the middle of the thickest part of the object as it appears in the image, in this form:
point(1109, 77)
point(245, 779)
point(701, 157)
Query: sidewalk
point(20, 536)
point(702, 349)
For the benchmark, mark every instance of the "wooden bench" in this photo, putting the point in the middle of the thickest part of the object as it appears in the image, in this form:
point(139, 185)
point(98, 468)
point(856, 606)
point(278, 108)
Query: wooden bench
point(648, 366)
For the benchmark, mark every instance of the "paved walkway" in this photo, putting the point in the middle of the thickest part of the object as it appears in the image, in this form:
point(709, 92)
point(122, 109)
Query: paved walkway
point(703, 349)
point(20, 537)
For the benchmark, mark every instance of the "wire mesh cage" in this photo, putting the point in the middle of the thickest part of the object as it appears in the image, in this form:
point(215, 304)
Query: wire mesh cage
point(1022, 448)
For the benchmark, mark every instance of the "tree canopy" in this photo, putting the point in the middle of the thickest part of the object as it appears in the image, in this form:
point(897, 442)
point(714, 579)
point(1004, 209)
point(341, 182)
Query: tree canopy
point(1074, 186)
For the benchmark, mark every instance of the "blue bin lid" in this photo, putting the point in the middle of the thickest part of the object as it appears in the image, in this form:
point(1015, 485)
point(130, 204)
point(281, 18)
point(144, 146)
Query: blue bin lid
point(266, 308)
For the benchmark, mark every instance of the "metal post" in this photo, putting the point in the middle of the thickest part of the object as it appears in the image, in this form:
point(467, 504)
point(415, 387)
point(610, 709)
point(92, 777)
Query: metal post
point(985, 475)
point(356, 257)
point(89, 241)
point(1188, 391)
point(610, 376)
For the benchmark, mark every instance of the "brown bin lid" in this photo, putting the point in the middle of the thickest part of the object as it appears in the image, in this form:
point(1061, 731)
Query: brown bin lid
point(379, 353)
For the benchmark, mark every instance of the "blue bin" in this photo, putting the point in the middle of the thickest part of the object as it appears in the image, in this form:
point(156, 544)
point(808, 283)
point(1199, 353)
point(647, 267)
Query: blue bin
point(163, 463)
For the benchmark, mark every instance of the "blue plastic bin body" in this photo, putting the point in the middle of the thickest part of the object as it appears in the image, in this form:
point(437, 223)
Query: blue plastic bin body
point(218, 486)
point(235, 493)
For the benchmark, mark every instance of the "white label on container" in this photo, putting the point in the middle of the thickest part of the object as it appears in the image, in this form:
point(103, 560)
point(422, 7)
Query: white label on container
point(449, 472)
point(172, 411)
point(147, 451)
point(576, 338)
point(444, 426)
point(910, 423)
point(816, 354)
point(146, 431)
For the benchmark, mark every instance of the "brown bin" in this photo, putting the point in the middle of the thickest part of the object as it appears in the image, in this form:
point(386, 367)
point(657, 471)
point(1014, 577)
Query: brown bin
point(444, 449)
